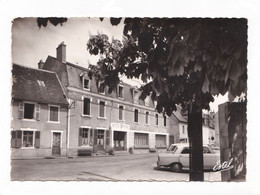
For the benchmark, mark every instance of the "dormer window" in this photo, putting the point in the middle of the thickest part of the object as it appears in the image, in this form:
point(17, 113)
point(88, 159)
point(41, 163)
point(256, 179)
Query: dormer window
point(101, 87)
point(135, 96)
point(86, 84)
point(120, 91)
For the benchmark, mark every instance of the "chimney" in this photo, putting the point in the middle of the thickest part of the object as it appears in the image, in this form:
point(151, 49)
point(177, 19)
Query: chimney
point(61, 52)
point(40, 64)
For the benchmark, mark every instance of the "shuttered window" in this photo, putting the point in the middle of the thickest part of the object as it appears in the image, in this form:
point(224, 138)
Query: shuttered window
point(84, 138)
point(28, 111)
point(25, 139)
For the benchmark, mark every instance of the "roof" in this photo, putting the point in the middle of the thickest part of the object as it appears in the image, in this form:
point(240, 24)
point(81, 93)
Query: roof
point(179, 116)
point(37, 85)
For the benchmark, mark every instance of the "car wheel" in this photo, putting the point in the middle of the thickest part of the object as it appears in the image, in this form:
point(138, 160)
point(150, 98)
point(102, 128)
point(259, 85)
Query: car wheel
point(176, 167)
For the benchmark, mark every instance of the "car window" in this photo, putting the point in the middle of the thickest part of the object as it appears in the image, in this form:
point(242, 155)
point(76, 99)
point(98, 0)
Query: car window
point(185, 151)
point(174, 148)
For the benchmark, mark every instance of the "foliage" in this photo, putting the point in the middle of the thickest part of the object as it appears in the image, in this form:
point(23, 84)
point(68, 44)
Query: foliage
point(53, 20)
point(181, 60)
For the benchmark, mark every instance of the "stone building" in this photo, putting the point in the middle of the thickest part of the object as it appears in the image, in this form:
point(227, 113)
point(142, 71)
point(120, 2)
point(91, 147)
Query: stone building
point(98, 120)
point(39, 114)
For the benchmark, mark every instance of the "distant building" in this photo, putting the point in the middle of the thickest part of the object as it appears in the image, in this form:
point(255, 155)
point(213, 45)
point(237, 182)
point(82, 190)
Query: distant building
point(39, 114)
point(178, 127)
point(99, 120)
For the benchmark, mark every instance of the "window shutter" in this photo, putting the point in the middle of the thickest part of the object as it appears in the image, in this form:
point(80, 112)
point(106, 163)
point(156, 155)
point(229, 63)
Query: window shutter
point(107, 137)
point(18, 139)
point(20, 110)
point(13, 139)
point(37, 139)
point(95, 136)
point(80, 136)
point(37, 112)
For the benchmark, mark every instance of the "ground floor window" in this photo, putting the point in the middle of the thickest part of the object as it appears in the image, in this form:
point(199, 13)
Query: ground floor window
point(85, 136)
point(160, 141)
point(25, 139)
point(141, 140)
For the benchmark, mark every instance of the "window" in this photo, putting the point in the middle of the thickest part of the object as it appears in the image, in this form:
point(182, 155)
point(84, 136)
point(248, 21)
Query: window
point(185, 151)
point(141, 140)
point(121, 114)
point(136, 115)
point(164, 120)
point(156, 119)
point(86, 106)
point(54, 113)
point(135, 96)
point(102, 109)
point(160, 140)
point(121, 91)
point(146, 118)
point(28, 111)
point(84, 138)
point(25, 139)
point(183, 129)
point(86, 84)
point(101, 87)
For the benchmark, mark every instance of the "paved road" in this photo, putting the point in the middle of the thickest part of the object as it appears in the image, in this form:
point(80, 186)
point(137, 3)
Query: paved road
point(107, 168)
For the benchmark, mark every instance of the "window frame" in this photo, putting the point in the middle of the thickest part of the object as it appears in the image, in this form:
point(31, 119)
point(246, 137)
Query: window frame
point(34, 110)
point(83, 83)
point(49, 113)
point(136, 122)
point(83, 106)
point(148, 118)
point(156, 119)
point(105, 105)
point(123, 113)
point(135, 101)
point(121, 86)
point(99, 83)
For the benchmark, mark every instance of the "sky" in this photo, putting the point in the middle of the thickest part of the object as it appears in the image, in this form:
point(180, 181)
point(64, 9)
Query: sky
point(30, 44)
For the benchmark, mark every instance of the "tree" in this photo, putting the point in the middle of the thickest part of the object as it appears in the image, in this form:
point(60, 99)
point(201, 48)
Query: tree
point(182, 61)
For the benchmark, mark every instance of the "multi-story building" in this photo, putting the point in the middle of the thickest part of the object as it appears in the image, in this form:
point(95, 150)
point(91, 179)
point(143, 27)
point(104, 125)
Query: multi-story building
point(100, 120)
point(39, 114)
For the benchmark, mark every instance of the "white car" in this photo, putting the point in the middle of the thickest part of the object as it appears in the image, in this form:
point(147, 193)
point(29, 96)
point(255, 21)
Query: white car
point(177, 157)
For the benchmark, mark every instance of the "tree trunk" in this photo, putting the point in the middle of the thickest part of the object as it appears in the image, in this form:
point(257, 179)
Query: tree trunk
point(196, 144)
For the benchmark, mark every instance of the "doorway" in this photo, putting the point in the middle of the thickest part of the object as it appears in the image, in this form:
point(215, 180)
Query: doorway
point(56, 143)
point(119, 140)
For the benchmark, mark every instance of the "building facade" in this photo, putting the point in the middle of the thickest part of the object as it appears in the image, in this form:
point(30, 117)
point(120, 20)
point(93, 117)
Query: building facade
point(39, 114)
point(98, 120)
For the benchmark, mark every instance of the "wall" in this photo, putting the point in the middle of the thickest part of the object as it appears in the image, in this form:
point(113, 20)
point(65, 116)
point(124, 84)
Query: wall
point(45, 129)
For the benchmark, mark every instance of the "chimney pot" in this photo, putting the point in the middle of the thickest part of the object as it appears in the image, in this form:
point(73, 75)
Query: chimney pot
point(40, 64)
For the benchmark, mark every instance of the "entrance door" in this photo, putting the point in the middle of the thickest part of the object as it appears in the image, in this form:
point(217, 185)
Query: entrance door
point(56, 140)
point(119, 140)
point(100, 139)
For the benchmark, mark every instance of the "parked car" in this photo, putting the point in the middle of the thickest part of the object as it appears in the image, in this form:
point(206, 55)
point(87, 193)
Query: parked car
point(177, 157)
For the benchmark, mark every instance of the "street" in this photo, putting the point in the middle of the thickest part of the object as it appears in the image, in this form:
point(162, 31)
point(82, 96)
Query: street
point(98, 168)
